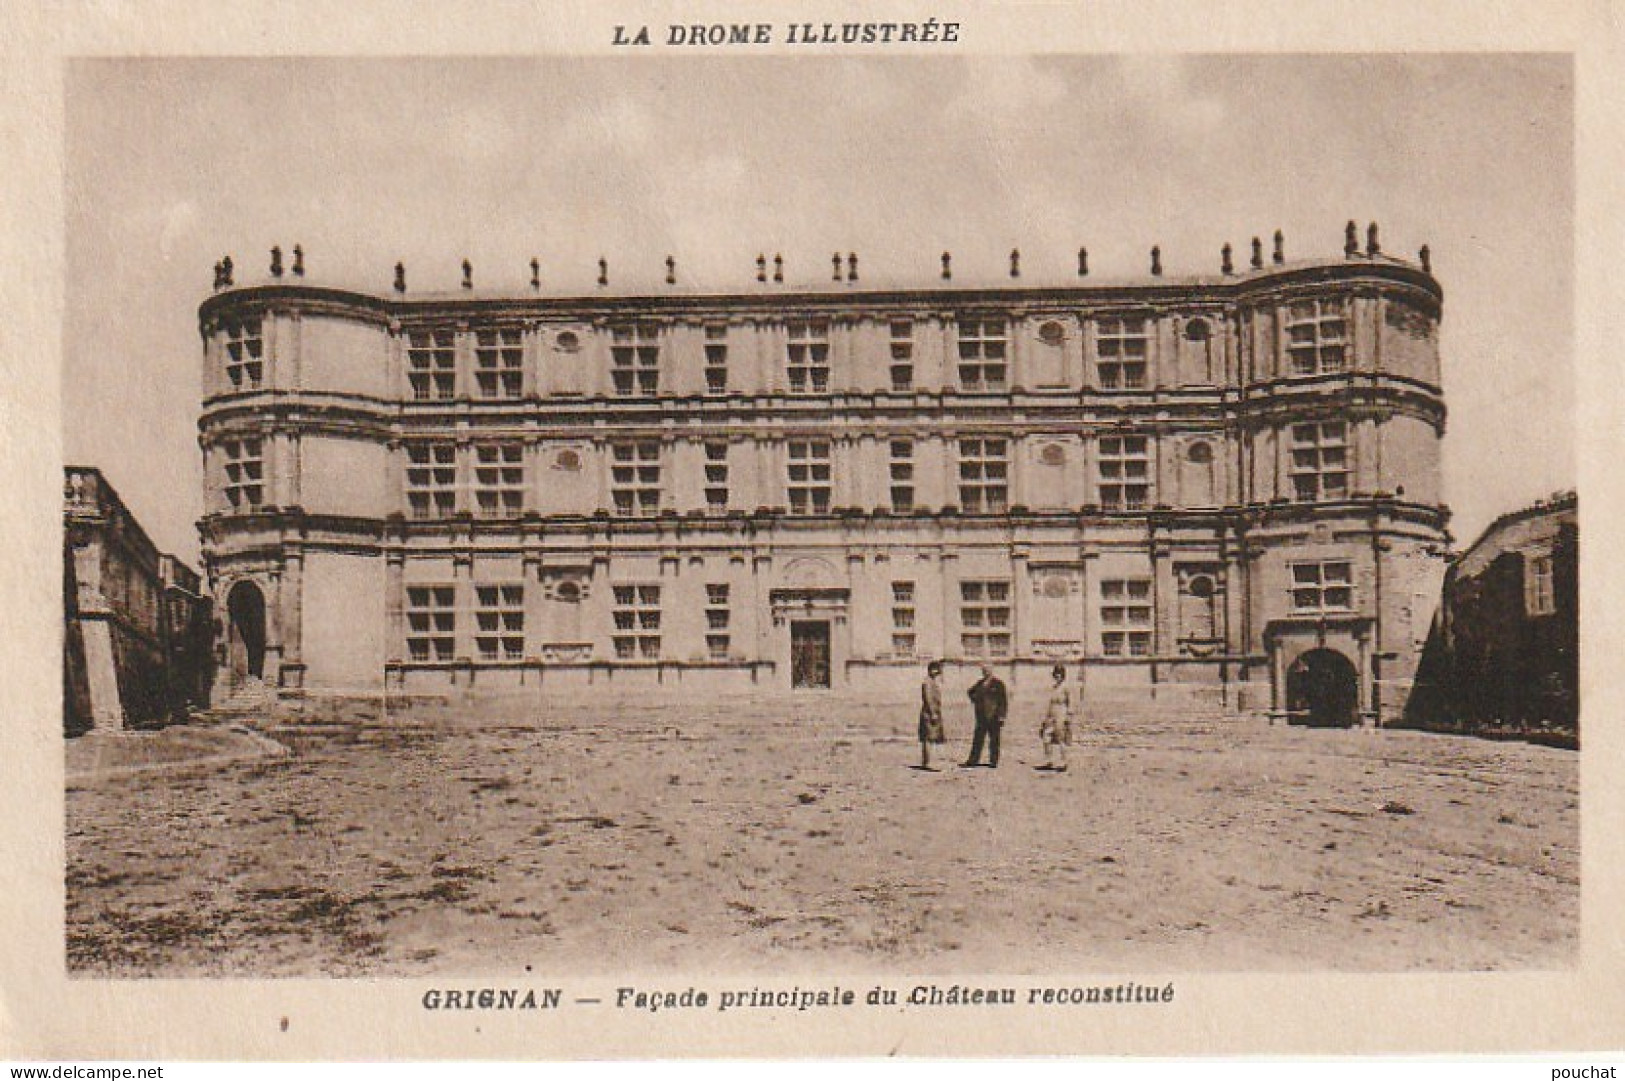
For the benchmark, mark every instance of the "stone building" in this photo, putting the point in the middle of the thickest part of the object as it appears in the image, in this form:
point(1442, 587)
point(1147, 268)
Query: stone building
point(1220, 487)
point(1505, 653)
point(188, 635)
point(136, 632)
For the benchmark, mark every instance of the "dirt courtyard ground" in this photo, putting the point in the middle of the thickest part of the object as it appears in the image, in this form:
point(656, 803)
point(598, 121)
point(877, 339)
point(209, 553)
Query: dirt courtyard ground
point(793, 836)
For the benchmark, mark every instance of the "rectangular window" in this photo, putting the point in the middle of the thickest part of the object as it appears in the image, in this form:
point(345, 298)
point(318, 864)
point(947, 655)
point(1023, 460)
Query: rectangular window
point(984, 618)
point(1316, 341)
point(499, 480)
point(717, 617)
point(982, 354)
point(499, 362)
point(431, 364)
point(637, 622)
point(1325, 586)
point(902, 355)
point(635, 478)
point(245, 361)
point(634, 353)
point(1125, 617)
point(716, 360)
point(806, 357)
point(431, 623)
point(902, 475)
point(1541, 600)
point(1124, 465)
point(431, 480)
point(984, 472)
point(245, 473)
point(902, 619)
point(499, 622)
point(1320, 461)
point(716, 477)
point(809, 476)
point(1120, 346)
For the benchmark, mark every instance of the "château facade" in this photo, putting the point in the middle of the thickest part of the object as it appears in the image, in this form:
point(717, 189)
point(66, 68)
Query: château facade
point(1221, 487)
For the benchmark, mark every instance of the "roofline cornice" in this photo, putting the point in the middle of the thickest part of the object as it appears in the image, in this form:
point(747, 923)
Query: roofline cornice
point(1150, 293)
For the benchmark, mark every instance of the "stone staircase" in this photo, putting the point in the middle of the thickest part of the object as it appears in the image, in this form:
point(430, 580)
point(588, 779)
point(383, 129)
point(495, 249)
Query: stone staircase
point(249, 699)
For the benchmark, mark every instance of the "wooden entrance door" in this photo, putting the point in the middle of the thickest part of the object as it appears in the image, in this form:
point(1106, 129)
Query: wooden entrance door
point(809, 653)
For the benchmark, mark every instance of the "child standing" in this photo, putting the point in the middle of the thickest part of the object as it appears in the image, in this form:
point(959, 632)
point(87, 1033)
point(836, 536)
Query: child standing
point(1055, 731)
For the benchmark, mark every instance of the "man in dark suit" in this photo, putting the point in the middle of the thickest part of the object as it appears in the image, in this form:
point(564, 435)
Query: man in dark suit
point(988, 697)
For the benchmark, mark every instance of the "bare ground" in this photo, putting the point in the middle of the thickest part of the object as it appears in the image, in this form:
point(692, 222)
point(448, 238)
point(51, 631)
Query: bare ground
point(793, 837)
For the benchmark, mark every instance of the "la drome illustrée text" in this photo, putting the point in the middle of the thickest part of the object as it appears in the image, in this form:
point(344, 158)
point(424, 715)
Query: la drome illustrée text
point(929, 32)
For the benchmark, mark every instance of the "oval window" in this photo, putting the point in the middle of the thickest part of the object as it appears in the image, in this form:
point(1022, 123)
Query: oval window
point(1052, 454)
point(1196, 330)
point(568, 460)
point(1200, 453)
point(1055, 587)
point(1052, 333)
point(1201, 587)
point(568, 592)
point(568, 341)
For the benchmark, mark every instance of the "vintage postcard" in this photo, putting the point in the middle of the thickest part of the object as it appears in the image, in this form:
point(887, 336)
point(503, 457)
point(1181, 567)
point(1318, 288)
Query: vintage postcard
point(625, 531)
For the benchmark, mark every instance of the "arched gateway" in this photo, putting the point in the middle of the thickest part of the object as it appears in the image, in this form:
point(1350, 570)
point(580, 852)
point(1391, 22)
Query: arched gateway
point(1323, 690)
point(245, 630)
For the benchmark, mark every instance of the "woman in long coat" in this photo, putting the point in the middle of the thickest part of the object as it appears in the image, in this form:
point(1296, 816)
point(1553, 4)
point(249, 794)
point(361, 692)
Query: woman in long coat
point(931, 713)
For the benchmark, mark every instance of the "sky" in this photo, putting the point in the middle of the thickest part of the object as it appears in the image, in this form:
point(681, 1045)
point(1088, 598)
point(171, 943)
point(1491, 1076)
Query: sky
point(365, 162)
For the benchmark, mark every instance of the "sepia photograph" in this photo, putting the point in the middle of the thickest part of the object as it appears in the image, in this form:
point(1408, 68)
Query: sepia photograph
point(812, 513)
point(576, 532)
